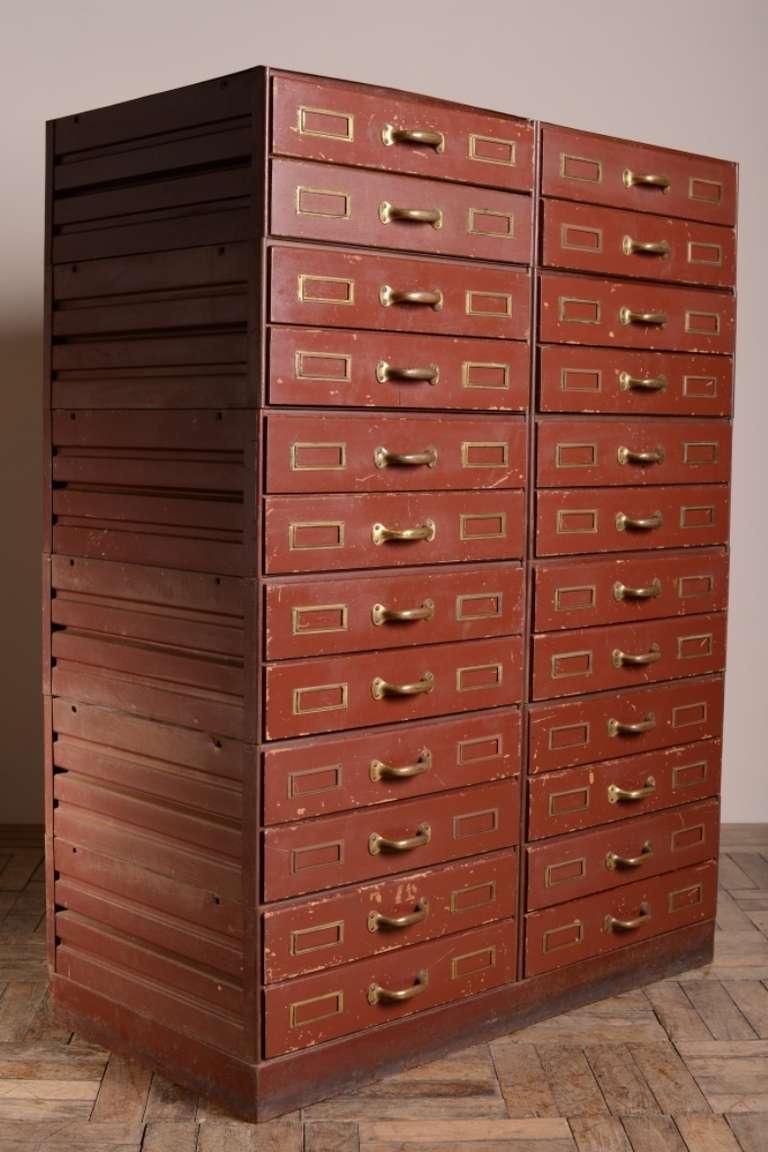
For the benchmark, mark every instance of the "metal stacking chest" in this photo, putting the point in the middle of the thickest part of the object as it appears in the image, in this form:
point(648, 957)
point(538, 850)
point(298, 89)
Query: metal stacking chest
point(386, 563)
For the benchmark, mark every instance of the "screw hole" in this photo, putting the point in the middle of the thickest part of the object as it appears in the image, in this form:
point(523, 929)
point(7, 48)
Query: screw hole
point(75, 119)
point(74, 708)
point(71, 563)
point(75, 268)
point(217, 580)
point(73, 415)
point(216, 742)
point(217, 899)
point(224, 84)
point(222, 251)
point(219, 415)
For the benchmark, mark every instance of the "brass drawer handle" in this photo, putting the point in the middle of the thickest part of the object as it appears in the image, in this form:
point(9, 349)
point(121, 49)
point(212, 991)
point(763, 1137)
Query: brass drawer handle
point(642, 180)
point(644, 247)
point(426, 138)
point(613, 861)
point(426, 298)
point(382, 771)
point(654, 319)
point(626, 660)
point(638, 523)
point(381, 615)
point(379, 995)
point(619, 728)
point(378, 844)
point(383, 458)
point(629, 383)
point(617, 794)
point(381, 688)
point(386, 372)
point(625, 592)
point(611, 924)
point(380, 534)
point(389, 212)
point(632, 456)
point(377, 920)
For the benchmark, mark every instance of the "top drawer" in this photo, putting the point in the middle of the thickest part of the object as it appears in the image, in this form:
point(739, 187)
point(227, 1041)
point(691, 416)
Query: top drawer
point(622, 173)
point(378, 128)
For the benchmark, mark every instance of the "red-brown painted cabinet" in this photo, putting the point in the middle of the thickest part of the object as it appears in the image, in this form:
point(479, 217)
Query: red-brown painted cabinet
point(386, 574)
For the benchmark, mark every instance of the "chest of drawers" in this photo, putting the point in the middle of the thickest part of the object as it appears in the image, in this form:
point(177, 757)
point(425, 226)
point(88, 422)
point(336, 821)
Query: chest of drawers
point(386, 574)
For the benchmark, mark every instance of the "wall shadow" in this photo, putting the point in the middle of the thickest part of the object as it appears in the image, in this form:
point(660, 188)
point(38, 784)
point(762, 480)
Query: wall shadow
point(21, 773)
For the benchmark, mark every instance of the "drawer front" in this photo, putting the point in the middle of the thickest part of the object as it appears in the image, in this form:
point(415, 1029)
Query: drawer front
point(328, 930)
point(565, 663)
point(630, 519)
point(304, 778)
point(335, 368)
point(616, 590)
point(606, 451)
point(392, 609)
point(619, 789)
point(614, 724)
point(574, 866)
point(337, 692)
point(589, 239)
point(330, 287)
point(583, 310)
point(602, 170)
point(634, 383)
point(346, 124)
point(556, 937)
point(348, 999)
point(313, 533)
point(335, 850)
point(357, 452)
point(348, 206)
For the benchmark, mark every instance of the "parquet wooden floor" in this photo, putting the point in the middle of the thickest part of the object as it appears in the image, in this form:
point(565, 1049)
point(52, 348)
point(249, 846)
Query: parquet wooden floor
point(680, 1066)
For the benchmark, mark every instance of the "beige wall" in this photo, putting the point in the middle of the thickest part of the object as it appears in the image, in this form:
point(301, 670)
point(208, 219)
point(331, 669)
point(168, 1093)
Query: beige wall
point(685, 73)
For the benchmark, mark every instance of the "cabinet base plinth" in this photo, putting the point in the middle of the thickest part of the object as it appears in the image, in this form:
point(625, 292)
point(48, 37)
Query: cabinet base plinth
point(260, 1091)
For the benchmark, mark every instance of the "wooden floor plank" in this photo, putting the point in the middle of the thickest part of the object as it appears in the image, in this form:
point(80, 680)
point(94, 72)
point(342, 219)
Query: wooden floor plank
point(170, 1136)
point(331, 1136)
point(755, 865)
point(621, 1080)
point(572, 1081)
point(751, 998)
point(541, 1133)
point(600, 1134)
point(676, 1012)
point(718, 1011)
point(672, 1084)
point(653, 1134)
point(730, 917)
point(284, 1135)
point(167, 1102)
point(742, 836)
point(20, 869)
point(18, 1006)
point(730, 1075)
point(525, 1087)
point(124, 1091)
point(707, 1134)
point(750, 1131)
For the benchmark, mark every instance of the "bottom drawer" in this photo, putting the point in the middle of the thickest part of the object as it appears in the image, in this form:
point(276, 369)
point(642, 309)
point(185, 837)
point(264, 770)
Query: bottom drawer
point(555, 937)
point(356, 996)
point(344, 926)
